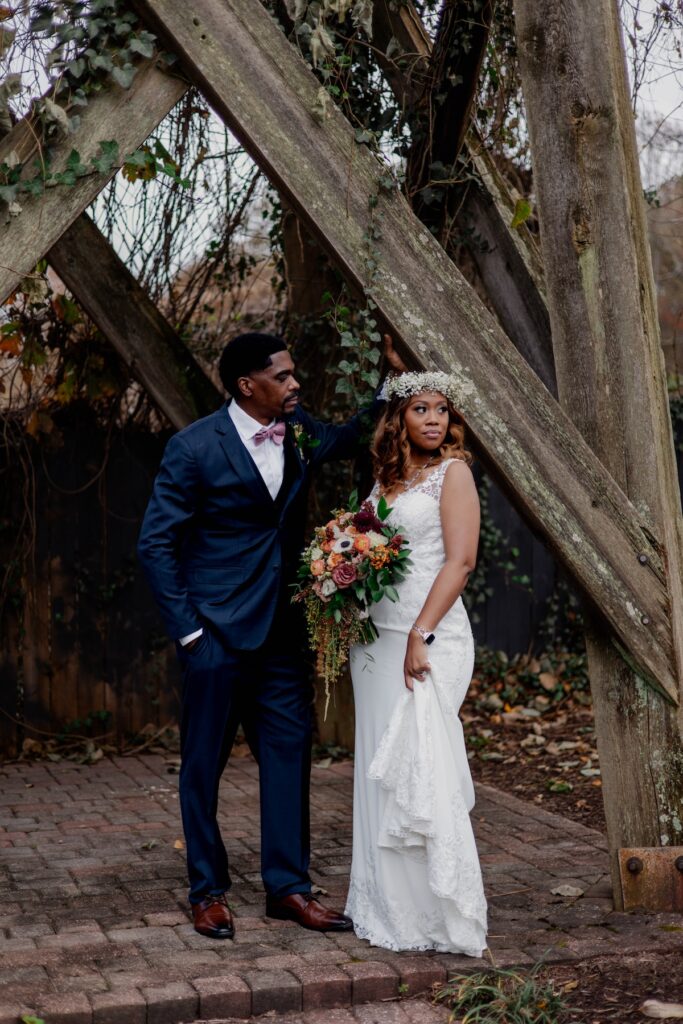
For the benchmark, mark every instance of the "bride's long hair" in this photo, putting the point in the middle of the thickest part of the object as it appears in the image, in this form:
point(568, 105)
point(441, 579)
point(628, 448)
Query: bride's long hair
point(390, 449)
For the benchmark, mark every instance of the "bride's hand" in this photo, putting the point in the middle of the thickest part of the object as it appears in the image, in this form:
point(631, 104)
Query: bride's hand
point(416, 664)
point(392, 356)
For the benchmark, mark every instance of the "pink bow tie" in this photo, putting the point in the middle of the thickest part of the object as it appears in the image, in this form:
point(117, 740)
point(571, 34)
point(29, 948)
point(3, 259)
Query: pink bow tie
point(276, 433)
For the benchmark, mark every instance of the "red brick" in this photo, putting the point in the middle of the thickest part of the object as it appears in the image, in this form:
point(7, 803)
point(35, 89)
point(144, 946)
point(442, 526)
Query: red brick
point(419, 974)
point(70, 1008)
point(372, 980)
point(273, 990)
point(12, 1014)
point(171, 1003)
point(323, 986)
point(223, 996)
point(121, 1006)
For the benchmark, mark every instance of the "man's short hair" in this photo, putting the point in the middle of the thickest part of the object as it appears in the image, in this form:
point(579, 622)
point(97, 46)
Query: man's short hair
point(245, 354)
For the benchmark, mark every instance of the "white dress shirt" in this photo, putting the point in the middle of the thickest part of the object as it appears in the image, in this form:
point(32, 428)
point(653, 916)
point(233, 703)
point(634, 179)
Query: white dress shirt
point(268, 456)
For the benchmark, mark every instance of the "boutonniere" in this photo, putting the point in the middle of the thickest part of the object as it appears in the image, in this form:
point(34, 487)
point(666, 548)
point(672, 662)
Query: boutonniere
point(303, 441)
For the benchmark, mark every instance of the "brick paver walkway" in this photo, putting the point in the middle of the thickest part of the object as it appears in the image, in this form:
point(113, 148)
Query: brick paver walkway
point(94, 930)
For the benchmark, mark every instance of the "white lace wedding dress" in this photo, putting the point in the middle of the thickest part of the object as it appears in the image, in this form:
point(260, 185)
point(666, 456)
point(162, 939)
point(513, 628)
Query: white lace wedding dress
point(415, 878)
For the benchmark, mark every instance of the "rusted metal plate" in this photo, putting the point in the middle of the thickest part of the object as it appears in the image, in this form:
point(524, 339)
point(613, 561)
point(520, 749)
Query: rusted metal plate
point(652, 877)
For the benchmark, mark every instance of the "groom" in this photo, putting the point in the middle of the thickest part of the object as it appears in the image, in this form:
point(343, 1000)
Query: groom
point(220, 544)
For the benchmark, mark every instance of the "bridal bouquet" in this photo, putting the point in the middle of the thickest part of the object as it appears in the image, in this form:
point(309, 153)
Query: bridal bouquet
point(352, 562)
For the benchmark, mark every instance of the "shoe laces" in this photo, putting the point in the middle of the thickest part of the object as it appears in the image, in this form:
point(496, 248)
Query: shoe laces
point(220, 897)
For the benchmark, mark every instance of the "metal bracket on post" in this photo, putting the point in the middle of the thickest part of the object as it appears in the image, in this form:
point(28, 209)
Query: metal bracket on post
point(652, 877)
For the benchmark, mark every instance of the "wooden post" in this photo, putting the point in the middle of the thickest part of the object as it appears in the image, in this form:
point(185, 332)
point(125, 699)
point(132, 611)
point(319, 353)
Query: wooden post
point(126, 116)
point(262, 88)
point(609, 366)
point(130, 321)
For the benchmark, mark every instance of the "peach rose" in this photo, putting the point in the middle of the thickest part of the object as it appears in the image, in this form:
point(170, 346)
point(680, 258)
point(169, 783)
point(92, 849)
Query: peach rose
point(344, 575)
point(317, 567)
point(362, 543)
point(334, 559)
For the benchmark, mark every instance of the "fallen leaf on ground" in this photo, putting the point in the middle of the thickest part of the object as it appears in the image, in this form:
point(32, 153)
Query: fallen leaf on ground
point(662, 1011)
point(318, 890)
point(569, 986)
point(567, 890)
point(179, 844)
point(325, 763)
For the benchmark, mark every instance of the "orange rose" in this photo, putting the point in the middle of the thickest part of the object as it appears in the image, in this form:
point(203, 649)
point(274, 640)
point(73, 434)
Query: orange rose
point(317, 567)
point(362, 543)
point(334, 559)
point(327, 547)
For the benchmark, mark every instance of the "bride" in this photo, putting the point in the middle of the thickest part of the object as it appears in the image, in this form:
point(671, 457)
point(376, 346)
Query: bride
point(415, 877)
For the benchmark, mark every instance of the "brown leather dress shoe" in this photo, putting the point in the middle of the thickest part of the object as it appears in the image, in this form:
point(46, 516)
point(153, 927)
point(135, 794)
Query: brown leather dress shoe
point(212, 917)
point(305, 909)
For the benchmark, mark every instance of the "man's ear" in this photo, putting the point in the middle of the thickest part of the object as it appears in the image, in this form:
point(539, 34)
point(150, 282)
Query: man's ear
point(245, 387)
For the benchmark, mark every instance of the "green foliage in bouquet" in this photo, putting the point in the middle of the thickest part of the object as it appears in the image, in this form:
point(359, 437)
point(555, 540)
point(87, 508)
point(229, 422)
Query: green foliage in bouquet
point(353, 561)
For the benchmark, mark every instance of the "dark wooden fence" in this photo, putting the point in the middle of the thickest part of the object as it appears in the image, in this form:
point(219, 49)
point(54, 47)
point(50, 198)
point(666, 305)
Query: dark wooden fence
point(84, 649)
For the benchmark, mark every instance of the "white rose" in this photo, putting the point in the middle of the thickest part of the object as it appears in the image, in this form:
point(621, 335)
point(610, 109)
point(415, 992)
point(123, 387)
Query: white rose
point(328, 587)
point(376, 538)
point(316, 553)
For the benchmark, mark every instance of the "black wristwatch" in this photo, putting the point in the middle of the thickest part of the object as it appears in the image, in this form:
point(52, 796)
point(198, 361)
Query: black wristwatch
point(427, 637)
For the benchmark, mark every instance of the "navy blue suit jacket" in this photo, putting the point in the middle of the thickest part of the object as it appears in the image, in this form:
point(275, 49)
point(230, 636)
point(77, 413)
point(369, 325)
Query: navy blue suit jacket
point(214, 545)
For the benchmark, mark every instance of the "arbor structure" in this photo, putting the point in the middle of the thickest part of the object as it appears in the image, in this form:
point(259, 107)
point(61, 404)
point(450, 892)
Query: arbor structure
point(607, 508)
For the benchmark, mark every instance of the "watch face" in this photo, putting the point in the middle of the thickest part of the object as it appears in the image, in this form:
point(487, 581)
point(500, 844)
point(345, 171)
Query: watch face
point(430, 639)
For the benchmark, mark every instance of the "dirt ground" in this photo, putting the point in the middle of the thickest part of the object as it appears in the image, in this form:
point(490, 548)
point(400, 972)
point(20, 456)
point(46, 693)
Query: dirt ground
point(550, 757)
point(610, 990)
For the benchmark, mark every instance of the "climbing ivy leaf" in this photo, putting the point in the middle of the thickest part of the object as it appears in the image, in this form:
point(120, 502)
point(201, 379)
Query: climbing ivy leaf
point(522, 213)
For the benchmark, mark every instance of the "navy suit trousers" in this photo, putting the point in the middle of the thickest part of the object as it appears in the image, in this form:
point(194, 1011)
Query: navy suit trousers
point(268, 691)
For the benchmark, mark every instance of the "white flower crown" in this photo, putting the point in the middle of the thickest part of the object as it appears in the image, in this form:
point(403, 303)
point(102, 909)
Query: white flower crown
point(404, 385)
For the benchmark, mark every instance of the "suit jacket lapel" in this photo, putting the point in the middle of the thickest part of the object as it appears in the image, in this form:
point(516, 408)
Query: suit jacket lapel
point(294, 470)
point(239, 458)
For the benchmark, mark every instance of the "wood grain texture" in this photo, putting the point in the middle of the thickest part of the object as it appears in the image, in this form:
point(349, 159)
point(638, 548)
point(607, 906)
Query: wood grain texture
point(158, 359)
point(237, 54)
point(610, 367)
point(126, 116)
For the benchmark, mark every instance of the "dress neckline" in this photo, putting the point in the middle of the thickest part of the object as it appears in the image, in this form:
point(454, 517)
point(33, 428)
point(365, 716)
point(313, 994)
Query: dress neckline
point(416, 486)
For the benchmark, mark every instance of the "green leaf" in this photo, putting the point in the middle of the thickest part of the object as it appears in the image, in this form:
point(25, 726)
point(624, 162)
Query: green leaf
point(522, 213)
point(8, 193)
point(141, 45)
point(391, 593)
point(383, 509)
point(102, 62)
point(73, 164)
point(343, 387)
point(106, 159)
point(76, 67)
point(124, 76)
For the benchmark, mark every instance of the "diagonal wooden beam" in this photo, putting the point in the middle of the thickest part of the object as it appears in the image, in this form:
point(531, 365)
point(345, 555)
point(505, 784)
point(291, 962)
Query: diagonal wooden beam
point(131, 322)
point(126, 116)
point(263, 90)
point(508, 260)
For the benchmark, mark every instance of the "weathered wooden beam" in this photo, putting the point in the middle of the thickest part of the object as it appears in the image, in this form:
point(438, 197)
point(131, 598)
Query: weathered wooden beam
point(263, 90)
point(610, 367)
point(131, 322)
point(508, 261)
point(126, 116)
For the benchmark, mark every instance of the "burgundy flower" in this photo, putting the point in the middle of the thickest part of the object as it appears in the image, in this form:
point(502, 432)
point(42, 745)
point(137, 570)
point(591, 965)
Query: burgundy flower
point(344, 574)
point(366, 520)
